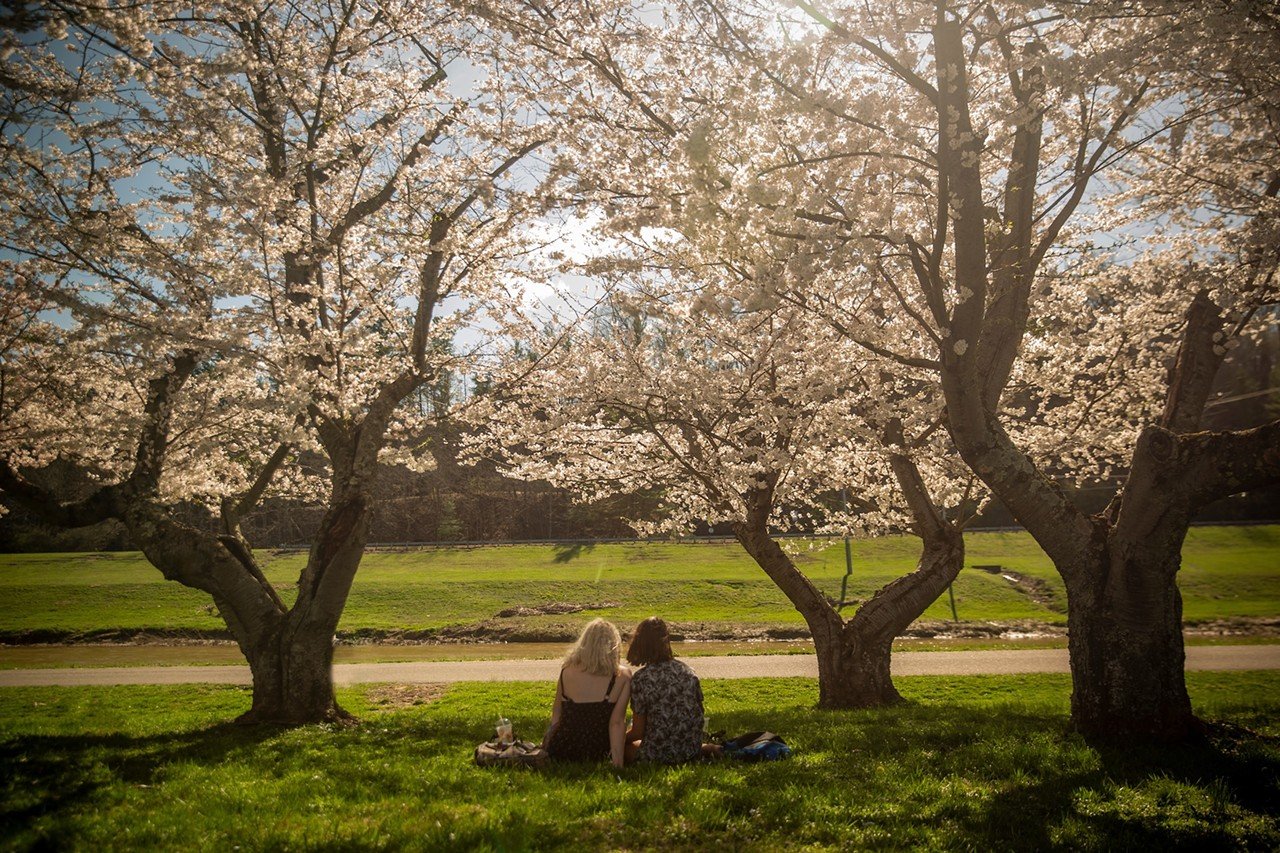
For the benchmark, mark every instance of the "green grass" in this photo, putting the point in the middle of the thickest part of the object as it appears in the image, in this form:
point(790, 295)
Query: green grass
point(1228, 571)
point(968, 763)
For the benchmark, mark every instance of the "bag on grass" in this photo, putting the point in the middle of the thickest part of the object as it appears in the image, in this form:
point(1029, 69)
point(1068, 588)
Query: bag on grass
point(520, 753)
point(757, 746)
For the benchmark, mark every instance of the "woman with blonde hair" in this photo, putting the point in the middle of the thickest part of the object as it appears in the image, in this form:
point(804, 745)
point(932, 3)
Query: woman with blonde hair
point(588, 719)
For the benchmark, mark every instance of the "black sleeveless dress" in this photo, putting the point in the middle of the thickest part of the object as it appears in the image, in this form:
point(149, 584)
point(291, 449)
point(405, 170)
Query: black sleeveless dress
point(583, 731)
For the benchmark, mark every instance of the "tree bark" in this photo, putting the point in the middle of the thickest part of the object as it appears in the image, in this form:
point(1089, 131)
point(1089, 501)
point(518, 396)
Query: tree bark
point(867, 640)
point(853, 673)
point(1125, 643)
point(290, 652)
point(1120, 569)
point(293, 678)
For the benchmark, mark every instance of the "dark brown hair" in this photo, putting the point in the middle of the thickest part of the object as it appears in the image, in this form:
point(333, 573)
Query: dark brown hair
point(650, 643)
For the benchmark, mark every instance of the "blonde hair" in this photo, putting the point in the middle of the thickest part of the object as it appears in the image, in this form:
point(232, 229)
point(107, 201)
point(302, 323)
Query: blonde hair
point(597, 649)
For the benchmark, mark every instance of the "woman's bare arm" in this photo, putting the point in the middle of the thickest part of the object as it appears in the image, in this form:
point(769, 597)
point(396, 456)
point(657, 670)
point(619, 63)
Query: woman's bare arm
point(618, 725)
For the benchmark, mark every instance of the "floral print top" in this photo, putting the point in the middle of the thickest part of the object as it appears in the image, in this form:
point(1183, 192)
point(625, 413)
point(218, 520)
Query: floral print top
point(670, 697)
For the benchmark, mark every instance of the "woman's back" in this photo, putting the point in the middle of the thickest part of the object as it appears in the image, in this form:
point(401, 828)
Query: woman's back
point(582, 686)
point(587, 702)
point(669, 696)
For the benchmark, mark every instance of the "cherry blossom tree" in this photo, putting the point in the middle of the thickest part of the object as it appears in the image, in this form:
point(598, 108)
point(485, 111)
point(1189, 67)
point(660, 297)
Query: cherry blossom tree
point(686, 378)
point(681, 384)
point(996, 167)
point(990, 127)
point(685, 158)
point(244, 233)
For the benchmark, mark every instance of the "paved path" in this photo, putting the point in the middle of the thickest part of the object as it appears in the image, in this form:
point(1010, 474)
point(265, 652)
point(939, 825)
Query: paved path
point(994, 662)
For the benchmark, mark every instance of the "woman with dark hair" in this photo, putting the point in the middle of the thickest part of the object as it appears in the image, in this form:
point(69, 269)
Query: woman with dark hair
point(666, 700)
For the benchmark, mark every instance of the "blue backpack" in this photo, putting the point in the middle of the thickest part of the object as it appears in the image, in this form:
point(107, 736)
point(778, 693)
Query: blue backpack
point(757, 746)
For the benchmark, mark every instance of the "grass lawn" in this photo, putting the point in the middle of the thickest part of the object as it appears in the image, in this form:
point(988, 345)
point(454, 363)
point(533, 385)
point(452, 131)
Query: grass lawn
point(968, 763)
point(1227, 571)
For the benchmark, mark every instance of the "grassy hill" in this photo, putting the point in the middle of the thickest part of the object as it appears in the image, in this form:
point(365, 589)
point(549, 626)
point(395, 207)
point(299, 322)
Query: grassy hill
point(1227, 572)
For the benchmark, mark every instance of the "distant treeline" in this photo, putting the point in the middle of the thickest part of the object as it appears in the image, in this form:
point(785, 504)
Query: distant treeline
point(473, 506)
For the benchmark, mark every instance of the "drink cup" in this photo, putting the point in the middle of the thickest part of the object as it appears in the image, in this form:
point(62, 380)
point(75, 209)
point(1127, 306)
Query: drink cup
point(504, 731)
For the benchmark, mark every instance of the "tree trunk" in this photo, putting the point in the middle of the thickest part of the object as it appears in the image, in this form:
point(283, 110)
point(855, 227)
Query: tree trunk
point(1125, 639)
point(293, 679)
point(853, 671)
point(290, 652)
point(292, 662)
point(835, 663)
point(854, 656)
point(1120, 568)
point(1124, 610)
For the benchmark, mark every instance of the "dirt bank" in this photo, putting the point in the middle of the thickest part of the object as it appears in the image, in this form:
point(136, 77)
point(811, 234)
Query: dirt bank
point(515, 630)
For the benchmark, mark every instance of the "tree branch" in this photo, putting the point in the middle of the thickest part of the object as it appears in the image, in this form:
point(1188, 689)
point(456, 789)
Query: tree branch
point(959, 158)
point(370, 205)
point(1191, 377)
point(1227, 463)
point(910, 77)
point(752, 534)
point(1085, 174)
point(154, 440)
point(250, 498)
point(104, 503)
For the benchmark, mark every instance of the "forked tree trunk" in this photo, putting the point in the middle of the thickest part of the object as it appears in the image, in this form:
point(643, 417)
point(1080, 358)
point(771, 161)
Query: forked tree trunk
point(1120, 568)
point(289, 650)
point(1124, 611)
point(854, 656)
point(853, 664)
point(292, 661)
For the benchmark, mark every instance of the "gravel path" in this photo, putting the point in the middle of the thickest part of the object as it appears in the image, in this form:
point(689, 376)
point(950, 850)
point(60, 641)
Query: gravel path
point(992, 662)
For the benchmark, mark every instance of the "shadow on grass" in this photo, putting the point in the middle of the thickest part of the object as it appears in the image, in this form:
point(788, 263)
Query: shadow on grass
point(1124, 803)
point(1004, 777)
point(49, 773)
point(1047, 788)
point(565, 552)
